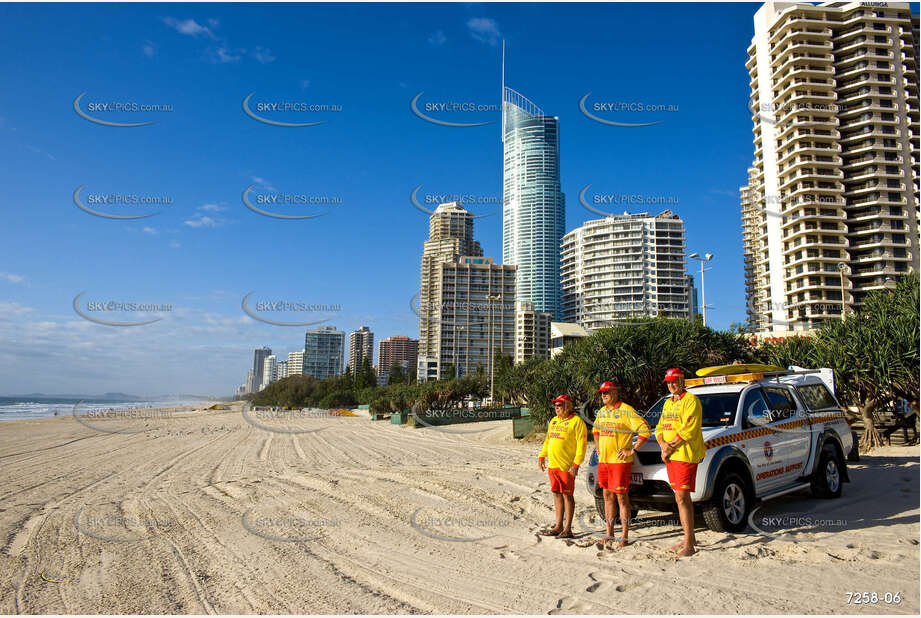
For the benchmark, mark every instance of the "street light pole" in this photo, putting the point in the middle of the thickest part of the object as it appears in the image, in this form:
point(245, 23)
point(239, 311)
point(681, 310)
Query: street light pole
point(703, 290)
point(491, 297)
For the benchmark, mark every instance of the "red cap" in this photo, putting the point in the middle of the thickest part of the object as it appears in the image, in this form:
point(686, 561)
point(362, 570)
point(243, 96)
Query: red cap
point(673, 374)
point(563, 398)
point(605, 387)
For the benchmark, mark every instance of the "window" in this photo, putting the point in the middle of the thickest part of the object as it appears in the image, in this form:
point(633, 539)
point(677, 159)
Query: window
point(781, 402)
point(719, 409)
point(816, 397)
point(756, 409)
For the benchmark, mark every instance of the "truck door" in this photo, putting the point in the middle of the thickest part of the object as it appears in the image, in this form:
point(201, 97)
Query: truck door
point(760, 449)
point(793, 433)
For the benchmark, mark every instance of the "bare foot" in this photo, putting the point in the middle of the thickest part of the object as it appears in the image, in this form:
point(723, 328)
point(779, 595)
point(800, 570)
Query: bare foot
point(623, 543)
point(687, 551)
point(676, 547)
point(565, 534)
point(551, 532)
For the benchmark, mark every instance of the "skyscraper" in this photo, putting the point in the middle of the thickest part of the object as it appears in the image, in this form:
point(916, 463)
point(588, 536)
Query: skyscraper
point(533, 205)
point(269, 371)
point(361, 346)
point(295, 363)
point(324, 348)
point(467, 303)
point(830, 212)
point(450, 236)
point(624, 266)
point(532, 333)
point(259, 357)
point(396, 350)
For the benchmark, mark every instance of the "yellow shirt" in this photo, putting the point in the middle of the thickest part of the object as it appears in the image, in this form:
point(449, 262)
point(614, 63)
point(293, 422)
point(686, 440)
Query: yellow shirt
point(565, 442)
point(683, 417)
point(614, 430)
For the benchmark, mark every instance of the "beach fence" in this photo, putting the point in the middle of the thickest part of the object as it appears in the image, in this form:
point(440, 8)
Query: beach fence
point(523, 425)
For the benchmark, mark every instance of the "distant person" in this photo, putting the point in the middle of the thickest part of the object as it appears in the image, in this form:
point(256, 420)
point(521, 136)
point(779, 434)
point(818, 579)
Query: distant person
point(680, 436)
point(615, 425)
point(565, 446)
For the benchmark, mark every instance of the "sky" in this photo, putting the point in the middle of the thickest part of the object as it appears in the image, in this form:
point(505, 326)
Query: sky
point(201, 253)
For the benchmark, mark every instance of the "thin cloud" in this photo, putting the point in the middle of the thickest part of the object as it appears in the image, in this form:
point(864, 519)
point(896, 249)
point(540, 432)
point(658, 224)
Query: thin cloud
point(484, 30)
point(199, 221)
point(12, 278)
point(259, 180)
point(224, 55)
point(437, 38)
point(189, 27)
point(41, 152)
point(263, 55)
point(149, 49)
point(150, 230)
point(8, 309)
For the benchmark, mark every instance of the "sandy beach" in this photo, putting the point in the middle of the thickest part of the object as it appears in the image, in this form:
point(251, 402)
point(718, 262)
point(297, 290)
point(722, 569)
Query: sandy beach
point(212, 512)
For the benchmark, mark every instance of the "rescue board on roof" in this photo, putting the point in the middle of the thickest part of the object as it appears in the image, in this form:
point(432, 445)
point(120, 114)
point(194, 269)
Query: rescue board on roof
point(728, 370)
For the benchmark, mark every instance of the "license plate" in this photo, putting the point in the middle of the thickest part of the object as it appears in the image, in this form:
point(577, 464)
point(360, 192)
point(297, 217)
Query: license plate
point(636, 478)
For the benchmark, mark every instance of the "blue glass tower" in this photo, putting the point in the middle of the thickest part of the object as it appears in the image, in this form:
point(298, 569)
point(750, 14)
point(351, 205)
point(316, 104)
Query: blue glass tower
point(533, 204)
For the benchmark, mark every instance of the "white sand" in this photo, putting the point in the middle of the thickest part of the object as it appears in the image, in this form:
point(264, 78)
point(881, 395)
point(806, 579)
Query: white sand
point(197, 515)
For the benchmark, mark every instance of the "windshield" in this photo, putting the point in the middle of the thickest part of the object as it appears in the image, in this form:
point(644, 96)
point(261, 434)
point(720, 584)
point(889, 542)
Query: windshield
point(719, 409)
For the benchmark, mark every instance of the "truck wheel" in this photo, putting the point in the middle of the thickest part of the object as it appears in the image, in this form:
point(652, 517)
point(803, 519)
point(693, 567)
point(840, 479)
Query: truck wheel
point(728, 510)
point(854, 455)
point(826, 480)
point(599, 506)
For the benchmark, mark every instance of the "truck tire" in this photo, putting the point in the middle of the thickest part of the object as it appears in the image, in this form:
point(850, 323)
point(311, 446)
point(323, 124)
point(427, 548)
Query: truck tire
point(732, 502)
point(854, 454)
point(826, 480)
point(599, 506)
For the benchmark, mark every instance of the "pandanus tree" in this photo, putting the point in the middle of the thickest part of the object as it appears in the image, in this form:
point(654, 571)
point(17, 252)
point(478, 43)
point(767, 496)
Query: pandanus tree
point(874, 354)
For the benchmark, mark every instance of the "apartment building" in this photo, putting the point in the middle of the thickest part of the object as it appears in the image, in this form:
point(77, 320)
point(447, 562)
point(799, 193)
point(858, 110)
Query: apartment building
point(830, 209)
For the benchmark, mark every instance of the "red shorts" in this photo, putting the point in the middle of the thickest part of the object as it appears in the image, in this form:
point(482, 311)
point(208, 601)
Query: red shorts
point(681, 475)
point(561, 482)
point(614, 477)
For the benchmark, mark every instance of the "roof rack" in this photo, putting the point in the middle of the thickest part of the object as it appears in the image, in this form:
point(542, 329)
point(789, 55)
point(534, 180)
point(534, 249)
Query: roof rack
point(746, 377)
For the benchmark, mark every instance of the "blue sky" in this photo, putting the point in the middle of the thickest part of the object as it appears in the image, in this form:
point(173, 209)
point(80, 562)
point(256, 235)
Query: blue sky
point(203, 252)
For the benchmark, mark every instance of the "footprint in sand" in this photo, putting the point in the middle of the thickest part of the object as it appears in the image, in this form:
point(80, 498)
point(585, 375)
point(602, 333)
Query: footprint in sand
point(606, 587)
point(571, 604)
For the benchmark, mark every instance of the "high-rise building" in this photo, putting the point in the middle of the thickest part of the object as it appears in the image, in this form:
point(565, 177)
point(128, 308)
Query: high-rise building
point(296, 363)
point(281, 370)
point(693, 303)
point(259, 357)
point(324, 349)
point(625, 266)
point(467, 302)
point(361, 346)
point(830, 212)
point(250, 381)
point(269, 368)
point(532, 332)
point(396, 350)
point(533, 204)
point(450, 236)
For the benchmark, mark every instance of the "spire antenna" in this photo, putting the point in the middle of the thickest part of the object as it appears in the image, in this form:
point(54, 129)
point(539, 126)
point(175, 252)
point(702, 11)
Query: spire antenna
point(502, 89)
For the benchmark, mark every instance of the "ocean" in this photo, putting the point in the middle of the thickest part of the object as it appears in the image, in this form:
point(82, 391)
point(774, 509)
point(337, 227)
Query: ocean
point(18, 409)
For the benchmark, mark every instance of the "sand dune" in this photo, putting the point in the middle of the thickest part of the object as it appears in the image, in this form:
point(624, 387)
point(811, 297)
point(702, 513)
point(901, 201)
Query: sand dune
point(206, 512)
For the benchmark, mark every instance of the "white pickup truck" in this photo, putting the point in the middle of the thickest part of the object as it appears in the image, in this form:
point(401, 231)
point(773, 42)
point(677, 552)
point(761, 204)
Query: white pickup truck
point(766, 433)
